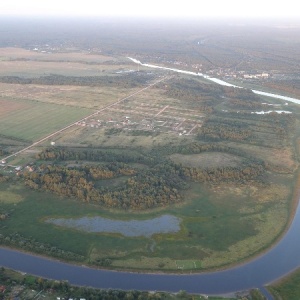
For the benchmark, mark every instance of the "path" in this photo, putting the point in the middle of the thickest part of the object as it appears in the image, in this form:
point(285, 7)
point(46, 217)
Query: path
point(83, 119)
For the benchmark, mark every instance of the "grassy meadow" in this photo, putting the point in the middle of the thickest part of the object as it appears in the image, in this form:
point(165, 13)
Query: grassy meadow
point(31, 120)
point(73, 96)
point(287, 287)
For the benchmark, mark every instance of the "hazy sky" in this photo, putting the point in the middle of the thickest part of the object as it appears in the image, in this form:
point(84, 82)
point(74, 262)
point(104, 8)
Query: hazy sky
point(171, 8)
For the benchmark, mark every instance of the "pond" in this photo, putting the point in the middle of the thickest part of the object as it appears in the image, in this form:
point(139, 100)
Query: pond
point(129, 228)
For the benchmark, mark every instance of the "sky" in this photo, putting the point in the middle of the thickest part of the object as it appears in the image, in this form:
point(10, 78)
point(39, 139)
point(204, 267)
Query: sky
point(153, 8)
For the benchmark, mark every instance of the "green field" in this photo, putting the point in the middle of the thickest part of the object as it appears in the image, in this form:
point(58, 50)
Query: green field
point(30, 120)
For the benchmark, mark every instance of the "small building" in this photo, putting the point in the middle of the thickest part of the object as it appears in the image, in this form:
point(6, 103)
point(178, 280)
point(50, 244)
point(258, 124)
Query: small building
point(52, 143)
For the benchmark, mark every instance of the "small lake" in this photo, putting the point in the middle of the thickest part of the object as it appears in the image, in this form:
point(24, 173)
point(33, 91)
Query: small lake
point(130, 228)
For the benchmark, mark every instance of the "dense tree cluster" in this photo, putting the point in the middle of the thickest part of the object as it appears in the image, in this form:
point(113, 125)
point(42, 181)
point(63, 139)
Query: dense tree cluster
point(206, 96)
point(30, 244)
point(126, 80)
point(62, 288)
point(212, 131)
point(244, 126)
point(200, 96)
point(158, 186)
point(290, 86)
point(196, 148)
point(216, 175)
point(246, 104)
point(241, 94)
point(108, 155)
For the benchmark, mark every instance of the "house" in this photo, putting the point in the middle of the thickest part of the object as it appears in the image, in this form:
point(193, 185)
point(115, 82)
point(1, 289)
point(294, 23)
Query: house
point(30, 168)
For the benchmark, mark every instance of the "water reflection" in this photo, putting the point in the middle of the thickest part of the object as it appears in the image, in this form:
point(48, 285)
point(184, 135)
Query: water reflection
point(130, 228)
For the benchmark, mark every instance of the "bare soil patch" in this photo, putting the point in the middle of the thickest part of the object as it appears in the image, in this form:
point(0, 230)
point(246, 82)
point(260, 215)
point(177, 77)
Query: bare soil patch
point(7, 107)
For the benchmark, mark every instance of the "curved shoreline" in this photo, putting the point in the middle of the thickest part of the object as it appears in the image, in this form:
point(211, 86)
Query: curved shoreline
point(163, 278)
point(229, 266)
point(229, 279)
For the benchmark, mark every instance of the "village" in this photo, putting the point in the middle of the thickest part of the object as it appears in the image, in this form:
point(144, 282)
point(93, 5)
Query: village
point(147, 119)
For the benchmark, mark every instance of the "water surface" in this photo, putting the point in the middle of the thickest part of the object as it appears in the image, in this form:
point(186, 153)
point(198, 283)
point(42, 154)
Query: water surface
point(130, 228)
point(216, 80)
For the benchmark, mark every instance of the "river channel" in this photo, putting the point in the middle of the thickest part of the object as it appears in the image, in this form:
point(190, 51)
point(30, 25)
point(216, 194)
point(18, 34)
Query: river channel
point(277, 262)
point(283, 258)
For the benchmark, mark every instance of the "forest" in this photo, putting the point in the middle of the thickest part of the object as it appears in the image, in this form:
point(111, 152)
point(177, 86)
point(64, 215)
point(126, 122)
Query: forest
point(160, 184)
point(127, 80)
point(150, 188)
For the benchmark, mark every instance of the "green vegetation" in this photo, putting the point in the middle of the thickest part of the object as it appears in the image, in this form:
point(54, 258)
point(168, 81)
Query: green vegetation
point(130, 80)
point(30, 120)
point(184, 147)
point(286, 288)
point(14, 284)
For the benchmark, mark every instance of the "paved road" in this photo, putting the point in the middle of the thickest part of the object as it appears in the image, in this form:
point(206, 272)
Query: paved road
point(85, 118)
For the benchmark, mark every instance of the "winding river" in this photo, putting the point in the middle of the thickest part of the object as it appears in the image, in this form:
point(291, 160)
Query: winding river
point(277, 262)
point(215, 80)
point(283, 258)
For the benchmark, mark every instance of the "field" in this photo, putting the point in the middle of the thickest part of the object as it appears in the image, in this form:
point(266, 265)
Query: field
point(30, 120)
point(207, 160)
point(74, 96)
point(227, 174)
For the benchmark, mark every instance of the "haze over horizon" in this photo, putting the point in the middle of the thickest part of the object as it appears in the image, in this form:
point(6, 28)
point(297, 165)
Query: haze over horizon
point(167, 9)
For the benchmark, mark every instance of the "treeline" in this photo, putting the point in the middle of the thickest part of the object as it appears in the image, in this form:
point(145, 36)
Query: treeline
point(11, 279)
point(213, 131)
point(148, 188)
point(156, 187)
point(63, 154)
point(126, 80)
point(217, 175)
point(241, 94)
point(290, 86)
point(206, 96)
point(196, 148)
point(246, 104)
point(30, 244)
point(194, 94)
point(246, 127)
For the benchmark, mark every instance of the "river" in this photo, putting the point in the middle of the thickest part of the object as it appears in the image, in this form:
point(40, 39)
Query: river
point(283, 258)
point(216, 80)
point(277, 262)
